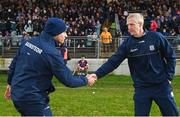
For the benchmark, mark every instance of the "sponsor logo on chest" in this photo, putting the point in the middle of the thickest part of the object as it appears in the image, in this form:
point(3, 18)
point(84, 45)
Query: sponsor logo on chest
point(151, 48)
point(133, 50)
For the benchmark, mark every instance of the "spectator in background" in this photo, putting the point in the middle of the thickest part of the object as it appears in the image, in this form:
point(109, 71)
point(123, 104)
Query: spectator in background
point(7, 40)
point(165, 33)
point(3, 27)
point(106, 40)
point(82, 66)
point(98, 28)
point(29, 27)
point(112, 29)
point(64, 52)
point(153, 25)
point(8, 25)
point(13, 28)
point(26, 36)
point(122, 25)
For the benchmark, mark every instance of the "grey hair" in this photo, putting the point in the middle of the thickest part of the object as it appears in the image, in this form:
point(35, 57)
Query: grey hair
point(138, 17)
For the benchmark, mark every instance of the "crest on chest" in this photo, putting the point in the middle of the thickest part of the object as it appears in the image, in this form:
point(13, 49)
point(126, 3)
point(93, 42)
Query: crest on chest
point(151, 48)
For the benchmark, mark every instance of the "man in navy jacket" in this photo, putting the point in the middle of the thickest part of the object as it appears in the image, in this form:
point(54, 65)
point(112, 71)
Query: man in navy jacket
point(151, 61)
point(32, 69)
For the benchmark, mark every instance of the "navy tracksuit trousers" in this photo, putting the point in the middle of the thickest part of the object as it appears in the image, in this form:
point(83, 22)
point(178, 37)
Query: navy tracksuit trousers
point(31, 108)
point(161, 94)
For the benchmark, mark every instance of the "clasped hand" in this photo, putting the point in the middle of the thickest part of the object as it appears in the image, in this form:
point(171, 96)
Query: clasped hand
point(92, 78)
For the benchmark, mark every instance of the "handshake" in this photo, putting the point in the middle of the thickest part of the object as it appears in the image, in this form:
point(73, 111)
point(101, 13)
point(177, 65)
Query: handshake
point(92, 78)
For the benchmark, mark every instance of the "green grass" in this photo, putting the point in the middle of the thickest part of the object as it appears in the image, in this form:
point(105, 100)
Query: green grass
point(113, 97)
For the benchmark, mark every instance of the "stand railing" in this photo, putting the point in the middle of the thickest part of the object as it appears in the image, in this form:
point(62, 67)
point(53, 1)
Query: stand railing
point(90, 46)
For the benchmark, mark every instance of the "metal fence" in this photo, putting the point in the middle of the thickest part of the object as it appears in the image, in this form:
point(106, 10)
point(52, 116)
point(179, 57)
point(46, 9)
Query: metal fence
point(90, 46)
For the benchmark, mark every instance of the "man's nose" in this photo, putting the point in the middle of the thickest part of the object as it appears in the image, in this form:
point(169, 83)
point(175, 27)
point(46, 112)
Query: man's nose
point(66, 35)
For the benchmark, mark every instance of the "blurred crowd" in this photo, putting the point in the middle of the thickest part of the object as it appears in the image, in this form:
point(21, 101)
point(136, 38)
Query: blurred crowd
point(87, 17)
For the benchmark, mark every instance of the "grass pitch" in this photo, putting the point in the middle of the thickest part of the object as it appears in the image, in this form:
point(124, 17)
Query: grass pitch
point(110, 96)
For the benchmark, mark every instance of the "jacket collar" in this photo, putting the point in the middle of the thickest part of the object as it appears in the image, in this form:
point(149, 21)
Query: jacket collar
point(48, 38)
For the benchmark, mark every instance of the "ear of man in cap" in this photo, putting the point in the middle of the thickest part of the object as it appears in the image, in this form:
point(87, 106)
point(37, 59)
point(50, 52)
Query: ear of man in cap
point(55, 26)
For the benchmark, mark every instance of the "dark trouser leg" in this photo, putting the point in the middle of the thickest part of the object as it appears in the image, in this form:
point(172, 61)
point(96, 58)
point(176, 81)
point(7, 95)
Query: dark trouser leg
point(32, 108)
point(103, 48)
point(142, 103)
point(109, 47)
point(142, 106)
point(166, 102)
point(47, 111)
point(167, 106)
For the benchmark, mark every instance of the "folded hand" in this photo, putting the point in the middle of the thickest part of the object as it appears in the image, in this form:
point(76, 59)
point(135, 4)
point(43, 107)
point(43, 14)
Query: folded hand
point(91, 79)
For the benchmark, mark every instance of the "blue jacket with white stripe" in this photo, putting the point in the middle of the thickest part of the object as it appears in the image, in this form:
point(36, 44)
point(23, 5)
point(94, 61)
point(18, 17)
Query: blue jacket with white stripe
point(151, 59)
point(32, 70)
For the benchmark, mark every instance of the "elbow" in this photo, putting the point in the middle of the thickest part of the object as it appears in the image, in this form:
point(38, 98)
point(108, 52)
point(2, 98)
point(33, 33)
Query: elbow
point(75, 83)
point(70, 85)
